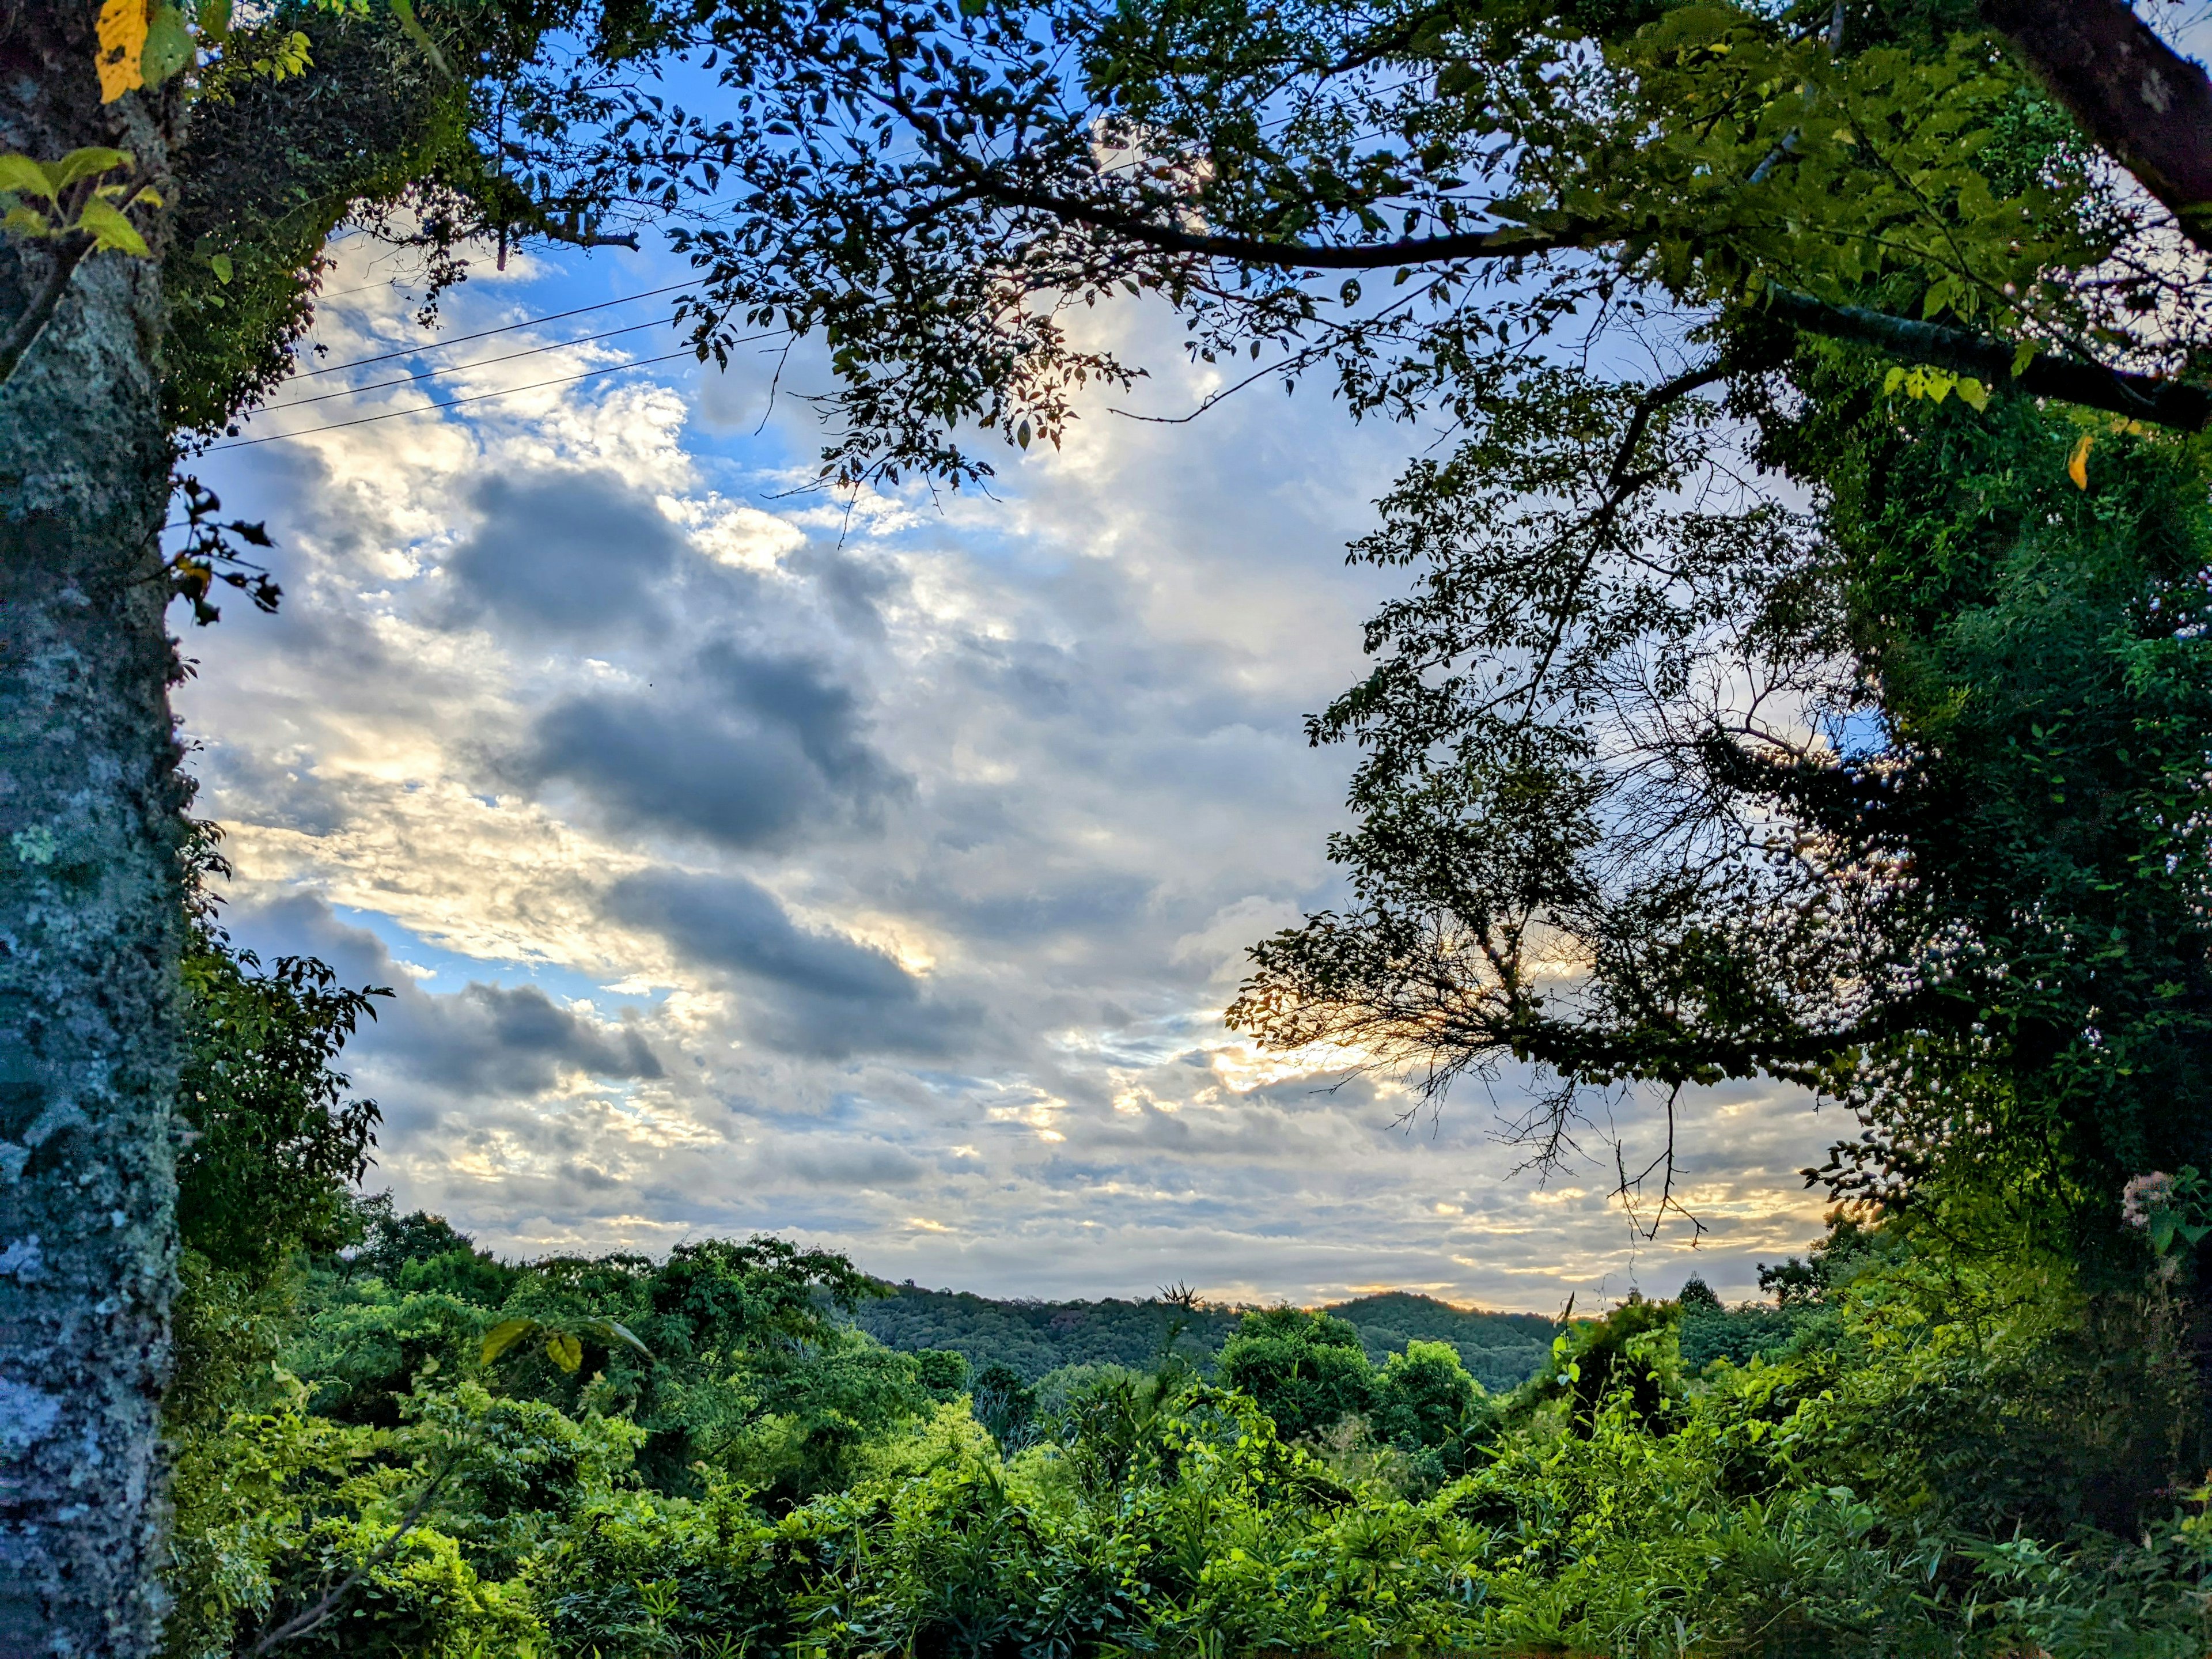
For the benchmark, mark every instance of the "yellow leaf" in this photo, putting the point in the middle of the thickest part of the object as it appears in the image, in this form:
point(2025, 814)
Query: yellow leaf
point(565, 1351)
point(1973, 392)
point(2077, 464)
point(122, 30)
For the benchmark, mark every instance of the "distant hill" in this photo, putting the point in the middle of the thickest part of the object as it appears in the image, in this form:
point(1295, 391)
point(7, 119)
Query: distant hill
point(1502, 1349)
point(1035, 1337)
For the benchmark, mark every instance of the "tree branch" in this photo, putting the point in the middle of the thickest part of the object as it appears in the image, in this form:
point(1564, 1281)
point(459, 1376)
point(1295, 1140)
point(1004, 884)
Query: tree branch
point(24, 332)
point(2177, 404)
point(2144, 102)
point(301, 1623)
point(1516, 242)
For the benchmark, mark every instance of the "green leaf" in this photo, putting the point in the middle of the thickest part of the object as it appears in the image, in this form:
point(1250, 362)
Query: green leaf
point(87, 163)
point(220, 263)
point(22, 174)
point(2161, 1233)
point(504, 1335)
point(214, 20)
point(615, 1328)
point(404, 11)
point(1973, 392)
point(27, 221)
point(110, 229)
point(564, 1351)
point(169, 47)
point(1022, 435)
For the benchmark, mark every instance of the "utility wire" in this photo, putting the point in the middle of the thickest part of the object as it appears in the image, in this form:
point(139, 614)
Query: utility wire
point(455, 403)
point(485, 333)
point(456, 368)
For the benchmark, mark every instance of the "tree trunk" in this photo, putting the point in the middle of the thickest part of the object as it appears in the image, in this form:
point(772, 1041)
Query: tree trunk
point(2147, 105)
point(89, 922)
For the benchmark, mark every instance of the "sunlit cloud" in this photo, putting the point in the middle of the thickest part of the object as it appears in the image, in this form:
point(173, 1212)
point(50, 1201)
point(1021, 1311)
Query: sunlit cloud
point(873, 872)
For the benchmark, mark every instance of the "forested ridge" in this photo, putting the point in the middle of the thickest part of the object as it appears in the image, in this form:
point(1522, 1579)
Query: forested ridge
point(1033, 1338)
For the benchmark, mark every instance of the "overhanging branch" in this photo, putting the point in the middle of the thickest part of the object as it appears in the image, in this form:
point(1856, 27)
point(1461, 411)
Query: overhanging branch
point(2180, 404)
point(1512, 242)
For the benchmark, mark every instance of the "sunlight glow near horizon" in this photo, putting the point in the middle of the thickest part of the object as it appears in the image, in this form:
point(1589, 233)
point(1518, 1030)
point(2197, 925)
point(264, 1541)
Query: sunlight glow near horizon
point(740, 863)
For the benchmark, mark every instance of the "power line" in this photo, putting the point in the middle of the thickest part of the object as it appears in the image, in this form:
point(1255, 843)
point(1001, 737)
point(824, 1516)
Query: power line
point(389, 282)
point(456, 368)
point(455, 403)
point(486, 333)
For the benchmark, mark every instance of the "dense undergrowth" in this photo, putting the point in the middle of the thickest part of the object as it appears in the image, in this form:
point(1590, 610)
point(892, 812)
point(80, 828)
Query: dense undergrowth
point(1911, 1456)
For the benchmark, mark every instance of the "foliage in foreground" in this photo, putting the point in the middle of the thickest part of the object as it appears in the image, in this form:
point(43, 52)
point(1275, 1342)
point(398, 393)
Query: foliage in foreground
point(1920, 1458)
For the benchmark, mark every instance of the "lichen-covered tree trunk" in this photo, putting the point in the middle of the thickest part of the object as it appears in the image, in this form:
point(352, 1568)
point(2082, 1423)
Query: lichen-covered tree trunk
point(89, 804)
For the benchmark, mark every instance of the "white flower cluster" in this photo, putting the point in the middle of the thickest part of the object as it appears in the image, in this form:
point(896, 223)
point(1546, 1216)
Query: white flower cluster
point(2144, 1197)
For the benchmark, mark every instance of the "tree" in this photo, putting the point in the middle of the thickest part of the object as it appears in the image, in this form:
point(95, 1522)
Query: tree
point(1597, 727)
point(170, 193)
point(1306, 1371)
point(270, 1143)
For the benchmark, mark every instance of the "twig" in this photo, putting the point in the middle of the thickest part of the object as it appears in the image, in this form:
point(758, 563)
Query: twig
point(301, 1623)
point(26, 330)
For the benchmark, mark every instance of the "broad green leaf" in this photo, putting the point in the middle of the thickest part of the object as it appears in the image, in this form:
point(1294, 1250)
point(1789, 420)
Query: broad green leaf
point(168, 48)
point(564, 1351)
point(214, 19)
point(1971, 392)
point(27, 221)
point(220, 263)
point(87, 163)
point(109, 229)
point(2161, 1233)
point(20, 174)
point(616, 1329)
point(504, 1335)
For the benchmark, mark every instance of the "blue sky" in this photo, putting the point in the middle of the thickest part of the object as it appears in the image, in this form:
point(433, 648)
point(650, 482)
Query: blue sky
point(874, 874)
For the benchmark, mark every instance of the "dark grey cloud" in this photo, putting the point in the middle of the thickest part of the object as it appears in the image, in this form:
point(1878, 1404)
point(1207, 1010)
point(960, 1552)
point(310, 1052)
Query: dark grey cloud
point(739, 747)
point(726, 921)
point(848, 1163)
point(564, 552)
point(808, 992)
point(511, 1041)
point(491, 1039)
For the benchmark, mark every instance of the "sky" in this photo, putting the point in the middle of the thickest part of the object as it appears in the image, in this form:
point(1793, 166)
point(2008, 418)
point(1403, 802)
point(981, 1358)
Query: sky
point(873, 872)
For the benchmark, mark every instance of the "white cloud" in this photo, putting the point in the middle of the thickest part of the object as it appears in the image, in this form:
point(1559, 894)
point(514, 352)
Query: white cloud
point(915, 849)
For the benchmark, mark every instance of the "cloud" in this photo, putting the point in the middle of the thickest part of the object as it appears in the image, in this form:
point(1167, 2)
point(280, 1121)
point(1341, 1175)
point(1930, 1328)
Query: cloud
point(924, 840)
point(483, 1040)
point(569, 551)
point(739, 747)
point(805, 991)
